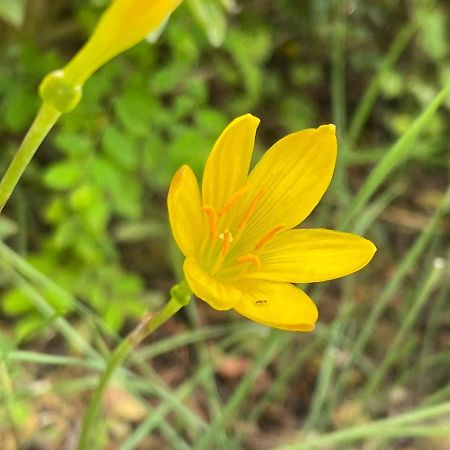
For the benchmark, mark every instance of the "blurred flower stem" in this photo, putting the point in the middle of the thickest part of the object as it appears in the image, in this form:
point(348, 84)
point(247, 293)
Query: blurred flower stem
point(180, 295)
point(61, 90)
point(43, 123)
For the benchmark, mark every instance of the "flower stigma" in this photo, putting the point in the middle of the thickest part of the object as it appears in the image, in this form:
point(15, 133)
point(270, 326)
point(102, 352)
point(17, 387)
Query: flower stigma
point(221, 255)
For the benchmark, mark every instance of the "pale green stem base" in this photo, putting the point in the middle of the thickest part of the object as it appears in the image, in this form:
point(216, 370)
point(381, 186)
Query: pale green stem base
point(43, 123)
point(180, 296)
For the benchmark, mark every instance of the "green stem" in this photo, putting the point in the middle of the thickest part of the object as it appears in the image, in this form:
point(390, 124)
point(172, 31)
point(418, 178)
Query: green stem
point(397, 345)
point(180, 296)
point(404, 425)
point(397, 155)
point(43, 123)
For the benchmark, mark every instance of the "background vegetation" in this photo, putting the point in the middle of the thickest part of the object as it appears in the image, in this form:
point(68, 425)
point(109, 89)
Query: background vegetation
point(85, 246)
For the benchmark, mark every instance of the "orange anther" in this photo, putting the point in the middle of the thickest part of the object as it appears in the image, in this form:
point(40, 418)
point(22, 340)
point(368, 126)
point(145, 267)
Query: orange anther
point(251, 258)
point(213, 219)
point(268, 237)
point(250, 211)
point(233, 199)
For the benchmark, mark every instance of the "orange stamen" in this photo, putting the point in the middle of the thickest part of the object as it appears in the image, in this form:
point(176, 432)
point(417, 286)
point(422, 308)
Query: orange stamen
point(251, 258)
point(233, 199)
point(213, 220)
point(268, 237)
point(227, 238)
point(250, 211)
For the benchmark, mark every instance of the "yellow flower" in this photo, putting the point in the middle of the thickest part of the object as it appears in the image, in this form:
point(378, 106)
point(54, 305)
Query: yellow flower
point(237, 233)
point(123, 24)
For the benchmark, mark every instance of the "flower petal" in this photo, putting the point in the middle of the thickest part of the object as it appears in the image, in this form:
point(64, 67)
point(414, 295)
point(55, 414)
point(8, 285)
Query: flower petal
point(227, 167)
point(305, 256)
point(290, 179)
point(278, 305)
point(112, 36)
point(185, 211)
point(218, 294)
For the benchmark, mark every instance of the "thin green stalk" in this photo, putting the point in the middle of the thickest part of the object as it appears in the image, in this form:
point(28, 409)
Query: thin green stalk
point(278, 389)
point(437, 310)
point(325, 378)
point(189, 337)
point(89, 419)
point(403, 425)
point(8, 257)
point(8, 394)
point(338, 94)
point(152, 421)
point(180, 296)
point(49, 312)
point(215, 404)
point(368, 100)
point(376, 432)
point(43, 123)
point(440, 395)
point(407, 322)
point(328, 365)
point(172, 437)
point(56, 360)
point(38, 279)
point(396, 155)
point(392, 287)
point(273, 343)
point(193, 421)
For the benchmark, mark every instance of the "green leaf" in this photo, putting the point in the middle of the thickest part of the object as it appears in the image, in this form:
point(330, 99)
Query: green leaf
point(28, 326)
point(114, 317)
point(73, 143)
point(66, 234)
point(64, 175)
point(82, 197)
point(20, 104)
point(136, 110)
point(15, 303)
point(120, 148)
point(212, 18)
point(433, 35)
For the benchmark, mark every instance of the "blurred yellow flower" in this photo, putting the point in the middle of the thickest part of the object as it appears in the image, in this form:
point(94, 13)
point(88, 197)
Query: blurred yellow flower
point(237, 233)
point(123, 24)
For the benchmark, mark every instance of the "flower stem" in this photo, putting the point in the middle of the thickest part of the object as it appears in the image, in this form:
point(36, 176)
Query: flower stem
point(43, 123)
point(180, 296)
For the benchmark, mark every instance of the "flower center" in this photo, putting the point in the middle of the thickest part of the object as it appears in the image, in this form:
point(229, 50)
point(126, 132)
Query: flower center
point(225, 232)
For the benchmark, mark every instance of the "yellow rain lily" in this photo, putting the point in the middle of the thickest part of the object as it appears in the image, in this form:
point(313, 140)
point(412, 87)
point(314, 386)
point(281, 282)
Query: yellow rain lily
point(122, 25)
point(238, 235)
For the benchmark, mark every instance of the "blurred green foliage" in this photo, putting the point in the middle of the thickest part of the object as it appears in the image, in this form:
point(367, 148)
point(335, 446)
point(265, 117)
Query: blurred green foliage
point(96, 190)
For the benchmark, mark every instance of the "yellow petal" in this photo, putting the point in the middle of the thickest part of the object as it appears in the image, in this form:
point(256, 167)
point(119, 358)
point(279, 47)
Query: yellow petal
point(305, 256)
point(227, 167)
point(292, 177)
point(277, 305)
point(122, 25)
point(218, 294)
point(185, 213)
